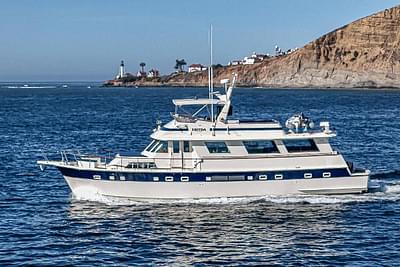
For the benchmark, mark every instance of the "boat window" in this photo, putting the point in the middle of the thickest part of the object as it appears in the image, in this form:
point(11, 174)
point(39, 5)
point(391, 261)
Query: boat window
point(175, 146)
point(300, 145)
point(217, 147)
point(262, 177)
point(151, 145)
point(186, 146)
point(326, 174)
point(260, 147)
point(169, 178)
point(154, 146)
point(162, 147)
point(236, 177)
point(308, 175)
point(219, 178)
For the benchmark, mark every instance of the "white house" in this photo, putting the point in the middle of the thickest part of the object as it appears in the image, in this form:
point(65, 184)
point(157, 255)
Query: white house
point(196, 67)
point(141, 74)
point(249, 60)
point(235, 62)
point(153, 73)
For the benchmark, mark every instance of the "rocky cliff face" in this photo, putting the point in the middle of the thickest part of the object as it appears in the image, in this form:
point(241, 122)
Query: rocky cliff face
point(364, 53)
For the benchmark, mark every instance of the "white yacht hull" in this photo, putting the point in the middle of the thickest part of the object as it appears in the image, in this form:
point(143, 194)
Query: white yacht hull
point(196, 190)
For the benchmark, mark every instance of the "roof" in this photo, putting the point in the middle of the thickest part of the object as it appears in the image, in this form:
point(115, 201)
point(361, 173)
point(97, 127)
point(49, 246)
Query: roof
point(198, 101)
point(195, 66)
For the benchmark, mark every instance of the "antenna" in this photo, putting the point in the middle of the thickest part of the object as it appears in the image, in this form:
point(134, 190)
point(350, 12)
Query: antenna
point(210, 75)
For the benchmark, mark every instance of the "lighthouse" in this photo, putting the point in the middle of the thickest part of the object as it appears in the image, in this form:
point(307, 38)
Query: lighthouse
point(121, 73)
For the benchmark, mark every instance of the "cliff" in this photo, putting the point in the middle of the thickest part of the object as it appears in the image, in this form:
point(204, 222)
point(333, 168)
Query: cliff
point(364, 53)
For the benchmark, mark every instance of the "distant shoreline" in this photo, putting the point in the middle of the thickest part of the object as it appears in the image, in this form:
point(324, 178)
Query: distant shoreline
point(165, 85)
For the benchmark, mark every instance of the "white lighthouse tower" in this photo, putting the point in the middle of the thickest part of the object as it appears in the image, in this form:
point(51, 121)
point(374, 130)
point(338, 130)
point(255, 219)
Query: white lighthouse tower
point(122, 72)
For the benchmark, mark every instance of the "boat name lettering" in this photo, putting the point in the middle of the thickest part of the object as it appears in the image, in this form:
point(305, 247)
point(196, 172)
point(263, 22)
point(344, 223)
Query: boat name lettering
point(199, 129)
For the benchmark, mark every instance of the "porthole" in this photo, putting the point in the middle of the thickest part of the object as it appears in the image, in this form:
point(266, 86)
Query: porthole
point(111, 177)
point(278, 176)
point(97, 177)
point(250, 177)
point(156, 179)
point(122, 178)
point(262, 177)
point(208, 178)
point(184, 179)
point(169, 178)
point(308, 175)
point(326, 174)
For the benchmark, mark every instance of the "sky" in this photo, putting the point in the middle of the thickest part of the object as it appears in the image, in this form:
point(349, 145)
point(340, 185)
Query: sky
point(71, 40)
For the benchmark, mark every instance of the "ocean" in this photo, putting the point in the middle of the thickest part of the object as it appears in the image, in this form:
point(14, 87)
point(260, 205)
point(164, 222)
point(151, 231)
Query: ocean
point(42, 223)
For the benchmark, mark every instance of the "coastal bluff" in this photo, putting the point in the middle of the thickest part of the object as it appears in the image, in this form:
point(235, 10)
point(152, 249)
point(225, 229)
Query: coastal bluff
point(362, 54)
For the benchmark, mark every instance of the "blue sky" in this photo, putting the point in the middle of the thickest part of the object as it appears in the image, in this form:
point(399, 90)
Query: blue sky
point(85, 40)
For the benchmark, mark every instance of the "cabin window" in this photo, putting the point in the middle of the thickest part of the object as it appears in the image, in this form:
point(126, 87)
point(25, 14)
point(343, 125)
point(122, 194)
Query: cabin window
point(260, 147)
point(175, 146)
point(186, 146)
point(308, 175)
point(217, 147)
point(300, 145)
point(236, 177)
point(162, 147)
point(219, 178)
point(169, 178)
point(326, 174)
point(153, 146)
point(185, 178)
point(262, 177)
point(278, 176)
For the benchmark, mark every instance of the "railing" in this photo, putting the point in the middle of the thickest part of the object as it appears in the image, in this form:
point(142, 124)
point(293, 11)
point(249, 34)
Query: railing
point(116, 161)
point(112, 160)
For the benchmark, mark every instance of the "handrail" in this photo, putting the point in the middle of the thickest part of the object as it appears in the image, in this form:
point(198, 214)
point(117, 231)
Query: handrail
point(142, 162)
point(79, 156)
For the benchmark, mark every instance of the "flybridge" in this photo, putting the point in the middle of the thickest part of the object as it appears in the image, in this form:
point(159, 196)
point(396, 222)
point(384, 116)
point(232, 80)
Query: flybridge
point(222, 102)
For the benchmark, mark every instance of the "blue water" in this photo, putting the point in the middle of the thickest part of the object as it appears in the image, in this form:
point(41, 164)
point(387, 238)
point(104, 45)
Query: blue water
point(41, 223)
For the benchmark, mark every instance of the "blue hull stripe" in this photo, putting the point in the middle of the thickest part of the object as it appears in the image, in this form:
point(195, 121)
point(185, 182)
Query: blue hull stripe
point(202, 177)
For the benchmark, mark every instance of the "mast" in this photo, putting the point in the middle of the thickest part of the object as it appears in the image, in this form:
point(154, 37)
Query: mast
point(210, 75)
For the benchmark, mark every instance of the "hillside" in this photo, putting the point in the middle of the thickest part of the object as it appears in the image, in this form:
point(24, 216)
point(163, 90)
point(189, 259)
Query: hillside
point(364, 53)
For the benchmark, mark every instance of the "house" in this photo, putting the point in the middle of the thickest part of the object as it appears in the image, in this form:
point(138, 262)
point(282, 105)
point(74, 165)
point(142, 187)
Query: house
point(254, 58)
point(235, 62)
point(249, 60)
point(153, 73)
point(259, 57)
point(141, 74)
point(196, 67)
